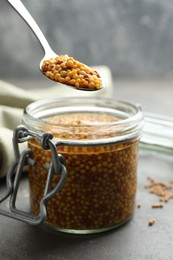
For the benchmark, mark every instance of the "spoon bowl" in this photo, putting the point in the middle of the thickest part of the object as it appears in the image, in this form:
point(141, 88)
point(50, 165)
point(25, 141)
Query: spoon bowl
point(49, 53)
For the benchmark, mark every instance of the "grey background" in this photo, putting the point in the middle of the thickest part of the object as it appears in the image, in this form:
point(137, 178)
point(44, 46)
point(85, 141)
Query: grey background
point(133, 37)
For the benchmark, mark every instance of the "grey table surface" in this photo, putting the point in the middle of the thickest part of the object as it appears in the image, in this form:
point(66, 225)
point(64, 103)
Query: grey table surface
point(136, 239)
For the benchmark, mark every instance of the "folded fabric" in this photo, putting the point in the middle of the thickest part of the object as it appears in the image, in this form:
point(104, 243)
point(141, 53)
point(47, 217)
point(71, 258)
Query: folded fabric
point(13, 100)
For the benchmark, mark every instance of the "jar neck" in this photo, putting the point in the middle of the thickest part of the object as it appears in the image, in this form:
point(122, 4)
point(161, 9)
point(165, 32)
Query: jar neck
point(125, 124)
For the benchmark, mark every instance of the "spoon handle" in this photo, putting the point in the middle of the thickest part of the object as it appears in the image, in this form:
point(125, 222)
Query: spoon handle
point(23, 12)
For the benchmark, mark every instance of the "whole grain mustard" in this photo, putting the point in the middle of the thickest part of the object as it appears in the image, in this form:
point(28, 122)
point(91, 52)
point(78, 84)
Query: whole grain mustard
point(100, 188)
point(67, 70)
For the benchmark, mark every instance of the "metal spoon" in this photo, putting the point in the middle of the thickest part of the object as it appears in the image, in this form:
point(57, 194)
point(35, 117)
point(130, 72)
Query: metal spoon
point(49, 53)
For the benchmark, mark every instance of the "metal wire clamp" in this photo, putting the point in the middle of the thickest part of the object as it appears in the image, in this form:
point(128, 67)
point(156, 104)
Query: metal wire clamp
point(57, 166)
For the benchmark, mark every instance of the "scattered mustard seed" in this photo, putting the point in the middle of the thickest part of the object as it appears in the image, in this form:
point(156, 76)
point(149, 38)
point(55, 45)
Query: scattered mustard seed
point(139, 205)
point(161, 189)
point(157, 205)
point(151, 221)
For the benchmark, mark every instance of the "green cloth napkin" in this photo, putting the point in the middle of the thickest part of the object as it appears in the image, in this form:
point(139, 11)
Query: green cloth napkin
point(13, 100)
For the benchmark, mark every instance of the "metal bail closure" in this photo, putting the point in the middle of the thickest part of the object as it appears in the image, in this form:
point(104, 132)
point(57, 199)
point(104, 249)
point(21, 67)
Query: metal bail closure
point(57, 166)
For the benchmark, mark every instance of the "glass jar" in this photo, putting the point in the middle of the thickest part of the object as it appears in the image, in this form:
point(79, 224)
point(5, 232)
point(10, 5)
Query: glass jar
point(98, 138)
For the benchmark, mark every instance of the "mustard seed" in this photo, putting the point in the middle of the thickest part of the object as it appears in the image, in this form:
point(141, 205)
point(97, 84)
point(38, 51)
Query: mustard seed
point(157, 205)
point(94, 195)
point(151, 221)
point(72, 72)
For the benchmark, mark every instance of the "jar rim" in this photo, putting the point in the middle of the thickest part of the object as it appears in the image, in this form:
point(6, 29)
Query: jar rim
point(131, 120)
point(33, 108)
